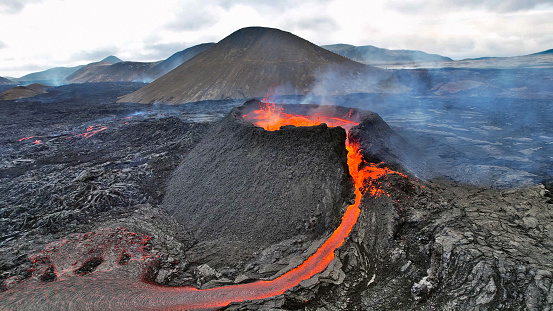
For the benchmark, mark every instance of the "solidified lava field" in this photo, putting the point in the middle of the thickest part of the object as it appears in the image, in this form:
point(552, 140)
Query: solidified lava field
point(83, 183)
point(73, 160)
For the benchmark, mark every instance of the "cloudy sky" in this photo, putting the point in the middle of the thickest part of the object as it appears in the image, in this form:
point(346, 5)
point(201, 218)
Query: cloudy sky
point(40, 34)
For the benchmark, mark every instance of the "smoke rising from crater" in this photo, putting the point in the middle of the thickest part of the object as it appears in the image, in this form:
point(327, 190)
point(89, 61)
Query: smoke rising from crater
point(480, 126)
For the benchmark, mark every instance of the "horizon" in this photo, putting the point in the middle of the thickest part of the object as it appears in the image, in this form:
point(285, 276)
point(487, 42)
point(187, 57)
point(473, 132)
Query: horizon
point(64, 37)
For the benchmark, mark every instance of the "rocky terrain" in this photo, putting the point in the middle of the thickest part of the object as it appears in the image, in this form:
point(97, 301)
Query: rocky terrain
point(75, 168)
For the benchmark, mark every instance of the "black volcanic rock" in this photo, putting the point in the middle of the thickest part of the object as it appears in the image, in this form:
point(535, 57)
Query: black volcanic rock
point(251, 60)
point(244, 185)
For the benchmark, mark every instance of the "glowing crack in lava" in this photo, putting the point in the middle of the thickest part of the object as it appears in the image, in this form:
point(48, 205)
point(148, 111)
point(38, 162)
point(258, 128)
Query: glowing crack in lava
point(134, 294)
point(91, 131)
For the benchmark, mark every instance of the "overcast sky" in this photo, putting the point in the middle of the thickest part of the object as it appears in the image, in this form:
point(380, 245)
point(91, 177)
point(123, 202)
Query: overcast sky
point(40, 34)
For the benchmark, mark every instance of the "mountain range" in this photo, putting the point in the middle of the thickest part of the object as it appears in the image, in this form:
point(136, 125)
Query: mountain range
point(372, 55)
point(251, 60)
point(112, 69)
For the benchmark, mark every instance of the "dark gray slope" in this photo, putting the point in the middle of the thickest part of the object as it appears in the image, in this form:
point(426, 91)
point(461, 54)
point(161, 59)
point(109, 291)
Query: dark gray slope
point(243, 183)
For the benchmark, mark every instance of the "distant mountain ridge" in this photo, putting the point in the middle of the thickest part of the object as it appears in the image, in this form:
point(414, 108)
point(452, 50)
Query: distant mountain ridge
point(177, 59)
point(550, 51)
point(5, 81)
point(112, 72)
point(112, 69)
point(52, 76)
point(369, 54)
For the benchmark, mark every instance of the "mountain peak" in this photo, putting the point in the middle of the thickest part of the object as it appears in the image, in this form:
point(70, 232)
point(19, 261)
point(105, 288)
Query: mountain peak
point(111, 59)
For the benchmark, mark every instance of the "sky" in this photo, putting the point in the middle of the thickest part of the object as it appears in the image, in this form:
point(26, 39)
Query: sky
point(39, 34)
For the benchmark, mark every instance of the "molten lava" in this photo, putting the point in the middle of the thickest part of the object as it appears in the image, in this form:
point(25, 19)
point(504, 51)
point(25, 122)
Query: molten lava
point(272, 118)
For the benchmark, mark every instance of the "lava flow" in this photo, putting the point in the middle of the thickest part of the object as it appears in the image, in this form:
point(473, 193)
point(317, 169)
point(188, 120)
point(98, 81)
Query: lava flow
point(134, 294)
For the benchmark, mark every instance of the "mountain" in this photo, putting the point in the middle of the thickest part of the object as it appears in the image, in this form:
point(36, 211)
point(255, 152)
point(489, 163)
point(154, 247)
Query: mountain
point(369, 54)
point(59, 75)
point(111, 59)
point(87, 72)
point(112, 69)
point(19, 92)
point(251, 60)
point(540, 60)
point(52, 76)
point(177, 59)
point(118, 72)
point(4, 81)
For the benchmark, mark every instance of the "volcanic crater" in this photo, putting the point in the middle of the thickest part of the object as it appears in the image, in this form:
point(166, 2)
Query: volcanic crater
point(243, 188)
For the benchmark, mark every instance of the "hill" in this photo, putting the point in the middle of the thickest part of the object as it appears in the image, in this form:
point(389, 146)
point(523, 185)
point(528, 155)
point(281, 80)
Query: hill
point(87, 72)
point(19, 92)
point(118, 72)
point(112, 69)
point(369, 54)
point(4, 81)
point(52, 76)
point(249, 61)
point(177, 59)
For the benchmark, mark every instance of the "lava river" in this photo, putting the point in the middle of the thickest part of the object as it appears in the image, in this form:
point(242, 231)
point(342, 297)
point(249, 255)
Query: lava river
point(99, 292)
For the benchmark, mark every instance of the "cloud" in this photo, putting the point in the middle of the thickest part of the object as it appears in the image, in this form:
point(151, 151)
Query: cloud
point(15, 6)
point(193, 16)
point(23, 69)
point(275, 6)
point(310, 23)
point(161, 51)
point(436, 6)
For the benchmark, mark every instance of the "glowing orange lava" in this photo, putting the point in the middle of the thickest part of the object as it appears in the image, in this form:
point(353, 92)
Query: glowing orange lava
point(271, 118)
